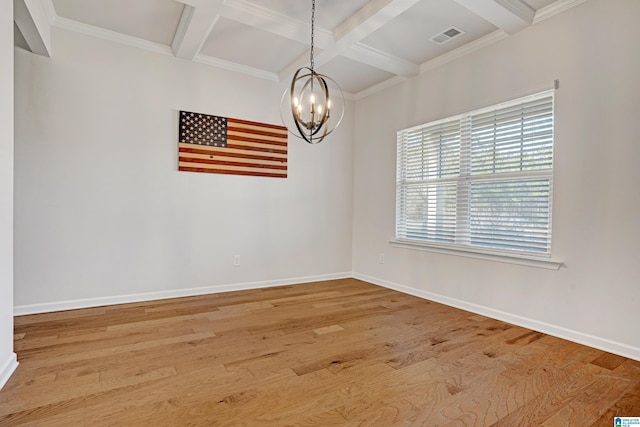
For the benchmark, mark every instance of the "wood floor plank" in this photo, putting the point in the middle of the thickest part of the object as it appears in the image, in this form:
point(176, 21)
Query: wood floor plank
point(335, 353)
point(591, 403)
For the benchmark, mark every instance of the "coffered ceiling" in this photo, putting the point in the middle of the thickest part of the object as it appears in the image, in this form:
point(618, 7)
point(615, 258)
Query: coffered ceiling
point(364, 45)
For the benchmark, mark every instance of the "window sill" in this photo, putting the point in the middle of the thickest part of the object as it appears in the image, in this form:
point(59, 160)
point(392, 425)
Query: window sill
point(518, 259)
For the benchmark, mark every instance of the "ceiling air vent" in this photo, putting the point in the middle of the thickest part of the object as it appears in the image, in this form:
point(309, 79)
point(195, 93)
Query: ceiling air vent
point(446, 35)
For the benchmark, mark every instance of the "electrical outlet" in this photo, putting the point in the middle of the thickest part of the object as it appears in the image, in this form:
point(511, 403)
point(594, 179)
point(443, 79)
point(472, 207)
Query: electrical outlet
point(236, 260)
point(381, 258)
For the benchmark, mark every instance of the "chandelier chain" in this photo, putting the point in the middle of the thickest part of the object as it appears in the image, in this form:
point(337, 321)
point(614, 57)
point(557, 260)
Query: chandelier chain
point(313, 18)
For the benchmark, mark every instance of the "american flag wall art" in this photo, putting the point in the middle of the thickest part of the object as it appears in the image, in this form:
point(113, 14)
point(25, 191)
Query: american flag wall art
point(214, 144)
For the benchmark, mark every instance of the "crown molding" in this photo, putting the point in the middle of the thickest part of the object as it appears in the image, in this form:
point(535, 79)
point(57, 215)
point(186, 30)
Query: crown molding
point(438, 61)
point(390, 82)
point(101, 33)
point(381, 60)
point(554, 9)
point(239, 68)
point(463, 50)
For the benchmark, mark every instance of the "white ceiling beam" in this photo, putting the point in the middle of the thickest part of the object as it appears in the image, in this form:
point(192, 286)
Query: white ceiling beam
point(275, 23)
point(510, 16)
point(377, 58)
point(33, 18)
point(196, 22)
point(361, 24)
point(365, 21)
point(369, 18)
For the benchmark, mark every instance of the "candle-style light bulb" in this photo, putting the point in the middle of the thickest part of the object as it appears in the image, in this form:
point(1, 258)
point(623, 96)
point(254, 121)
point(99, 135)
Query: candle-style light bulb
point(295, 106)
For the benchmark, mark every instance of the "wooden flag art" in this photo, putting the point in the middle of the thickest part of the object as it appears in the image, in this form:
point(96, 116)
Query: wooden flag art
point(214, 144)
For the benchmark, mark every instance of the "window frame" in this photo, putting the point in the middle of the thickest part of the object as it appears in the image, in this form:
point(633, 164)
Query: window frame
point(462, 181)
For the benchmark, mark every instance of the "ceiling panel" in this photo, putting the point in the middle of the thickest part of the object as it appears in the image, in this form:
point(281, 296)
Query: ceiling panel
point(232, 41)
point(353, 76)
point(153, 20)
point(408, 35)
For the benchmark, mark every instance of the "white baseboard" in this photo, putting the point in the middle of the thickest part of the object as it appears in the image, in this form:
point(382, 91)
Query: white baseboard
point(21, 310)
point(536, 325)
point(7, 368)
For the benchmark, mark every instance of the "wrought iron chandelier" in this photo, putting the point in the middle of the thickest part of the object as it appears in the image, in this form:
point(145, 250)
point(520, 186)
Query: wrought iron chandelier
point(313, 106)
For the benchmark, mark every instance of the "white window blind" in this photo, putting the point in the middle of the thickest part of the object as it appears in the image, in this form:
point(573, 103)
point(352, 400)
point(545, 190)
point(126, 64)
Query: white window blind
point(479, 180)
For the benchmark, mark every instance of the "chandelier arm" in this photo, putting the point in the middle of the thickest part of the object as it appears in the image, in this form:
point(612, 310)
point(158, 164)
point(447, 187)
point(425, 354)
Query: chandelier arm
point(303, 133)
point(325, 90)
point(327, 130)
point(323, 120)
point(297, 114)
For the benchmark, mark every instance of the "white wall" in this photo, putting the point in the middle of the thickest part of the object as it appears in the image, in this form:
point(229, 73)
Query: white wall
point(7, 356)
point(593, 49)
point(102, 212)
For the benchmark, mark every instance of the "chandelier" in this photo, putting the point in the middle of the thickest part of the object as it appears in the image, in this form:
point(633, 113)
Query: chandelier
point(313, 106)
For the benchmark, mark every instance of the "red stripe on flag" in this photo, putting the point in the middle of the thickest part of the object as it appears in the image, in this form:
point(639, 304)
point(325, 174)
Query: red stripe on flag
point(258, 140)
point(231, 172)
point(228, 163)
point(264, 125)
point(257, 132)
point(260, 149)
point(238, 155)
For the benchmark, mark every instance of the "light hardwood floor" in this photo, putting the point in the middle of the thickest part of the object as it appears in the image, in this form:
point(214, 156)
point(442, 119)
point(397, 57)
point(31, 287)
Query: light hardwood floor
point(341, 352)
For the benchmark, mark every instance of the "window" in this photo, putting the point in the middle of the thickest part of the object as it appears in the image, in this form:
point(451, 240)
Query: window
point(480, 181)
